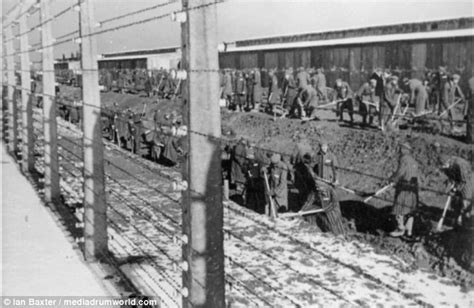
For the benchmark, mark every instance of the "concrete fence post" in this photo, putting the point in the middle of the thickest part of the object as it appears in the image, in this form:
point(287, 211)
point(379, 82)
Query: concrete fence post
point(95, 206)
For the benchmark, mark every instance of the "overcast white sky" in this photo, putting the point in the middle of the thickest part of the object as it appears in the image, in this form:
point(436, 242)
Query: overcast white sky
point(241, 19)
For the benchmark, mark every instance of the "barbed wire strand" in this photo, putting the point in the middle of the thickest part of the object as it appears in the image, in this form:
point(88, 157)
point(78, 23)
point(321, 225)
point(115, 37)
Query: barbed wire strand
point(160, 5)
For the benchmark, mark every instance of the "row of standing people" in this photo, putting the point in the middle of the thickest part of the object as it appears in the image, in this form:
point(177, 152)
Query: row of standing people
point(315, 176)
point(248, 89)
point(301, 93)
point(161, 82)
point(160, 140)
point(249, 166)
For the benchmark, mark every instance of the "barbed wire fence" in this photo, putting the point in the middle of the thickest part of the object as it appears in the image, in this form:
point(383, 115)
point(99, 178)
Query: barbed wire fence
point(189, 268)
point(40, 142)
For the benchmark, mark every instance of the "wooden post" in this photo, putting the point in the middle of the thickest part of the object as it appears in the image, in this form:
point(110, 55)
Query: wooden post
point(12, 131)
point(204, 281)
point(26, 97)
point(95, 207)
point(51, 167)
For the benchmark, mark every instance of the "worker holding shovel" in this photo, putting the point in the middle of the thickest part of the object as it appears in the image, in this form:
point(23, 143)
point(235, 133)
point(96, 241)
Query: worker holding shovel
point(278, 183)
point(459, 173)
point(344, 96)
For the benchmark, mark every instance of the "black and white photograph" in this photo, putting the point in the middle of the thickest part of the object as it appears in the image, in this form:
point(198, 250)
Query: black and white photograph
point(237, 153)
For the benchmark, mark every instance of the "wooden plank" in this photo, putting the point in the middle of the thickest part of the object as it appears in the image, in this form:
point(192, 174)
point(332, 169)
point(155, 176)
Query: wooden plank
point(303, 57)
point(281, 59)
point(316, 57)
point(354, 67)
point(367, 63)
point(418, 60)
point(248, 60)
point(469, 63)
point(227, 60)
point(306, 57)
point(464, 65)
point(271, 59)
point(379, 56)
point(434, 54)
point(450, 55)
point(343, 63)
point(297, 59)
point(332, 70)
point(404, 60)
point(261, 59)
point(392, 56)
point(289, 59)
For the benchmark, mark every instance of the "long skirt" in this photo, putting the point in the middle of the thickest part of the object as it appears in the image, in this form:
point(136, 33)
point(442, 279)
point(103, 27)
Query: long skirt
point(406, 200)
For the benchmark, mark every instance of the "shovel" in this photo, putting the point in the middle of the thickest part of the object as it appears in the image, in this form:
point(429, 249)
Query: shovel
point(439, 227)
point(362, 194)
point(272, 210)
point(450, 107)
point(300, 214)
point(378, 192)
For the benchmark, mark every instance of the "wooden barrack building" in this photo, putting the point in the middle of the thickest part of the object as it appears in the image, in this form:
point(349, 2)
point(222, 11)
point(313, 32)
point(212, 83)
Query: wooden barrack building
point(407, 49)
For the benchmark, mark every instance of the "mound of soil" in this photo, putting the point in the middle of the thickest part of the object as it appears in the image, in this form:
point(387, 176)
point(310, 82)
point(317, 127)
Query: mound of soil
point(135, 103)
point(366, 158)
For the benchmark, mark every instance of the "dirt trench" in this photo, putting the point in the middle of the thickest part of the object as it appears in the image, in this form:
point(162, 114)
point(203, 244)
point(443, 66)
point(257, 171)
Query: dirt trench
point(367, 156)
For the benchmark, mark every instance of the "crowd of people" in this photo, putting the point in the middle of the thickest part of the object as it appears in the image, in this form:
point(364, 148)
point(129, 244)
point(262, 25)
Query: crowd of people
point(160, 83)
point(303, 92)
point(315, 174)
point(161, 140)
point(263, 177)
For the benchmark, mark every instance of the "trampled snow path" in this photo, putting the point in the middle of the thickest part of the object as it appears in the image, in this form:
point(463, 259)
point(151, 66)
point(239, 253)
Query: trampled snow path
point(37, 258)
point(268, 264)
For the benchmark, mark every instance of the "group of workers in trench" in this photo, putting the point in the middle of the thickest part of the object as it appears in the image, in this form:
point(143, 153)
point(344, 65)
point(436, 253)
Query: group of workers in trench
point(303, 92)
point(160, 83)
point(315, 174)
point(262, 177)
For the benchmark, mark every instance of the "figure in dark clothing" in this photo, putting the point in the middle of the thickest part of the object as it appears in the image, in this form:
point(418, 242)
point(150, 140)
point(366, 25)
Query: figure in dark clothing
point(368, 101)
point(406, 191)
point(344, 96)
point(458, 171)
point(279, 182)
point(238, 158)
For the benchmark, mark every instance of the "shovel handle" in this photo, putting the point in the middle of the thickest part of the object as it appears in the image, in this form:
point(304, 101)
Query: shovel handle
point(446, 206)
point(378, 192)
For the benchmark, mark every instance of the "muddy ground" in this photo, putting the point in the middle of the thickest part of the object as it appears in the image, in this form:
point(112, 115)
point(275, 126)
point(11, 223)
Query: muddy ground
point(366, 157)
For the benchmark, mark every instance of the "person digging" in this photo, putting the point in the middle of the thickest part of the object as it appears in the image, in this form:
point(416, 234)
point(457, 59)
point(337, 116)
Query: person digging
point(406, 192)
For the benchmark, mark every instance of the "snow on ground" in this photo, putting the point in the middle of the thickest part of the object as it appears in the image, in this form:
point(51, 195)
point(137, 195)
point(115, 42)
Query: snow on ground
point(37, 259)
point(267, 263)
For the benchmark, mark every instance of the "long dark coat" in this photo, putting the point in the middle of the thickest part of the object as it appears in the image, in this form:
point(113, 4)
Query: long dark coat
point(170, 151)
point(279, 183)
point(238, 158)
